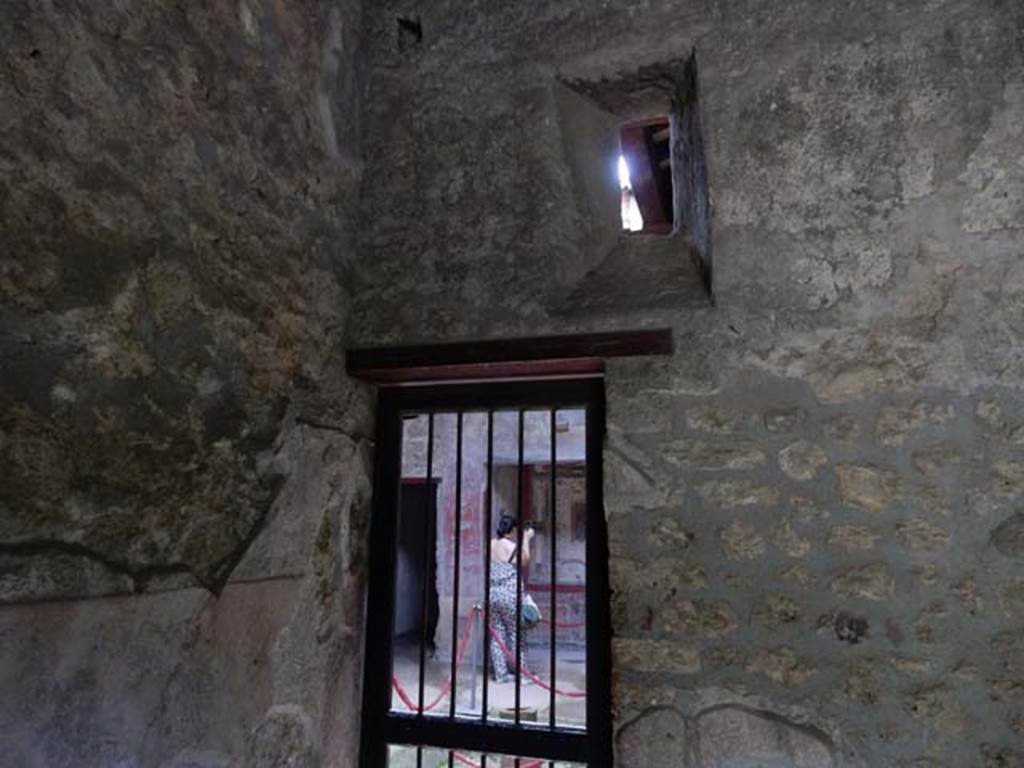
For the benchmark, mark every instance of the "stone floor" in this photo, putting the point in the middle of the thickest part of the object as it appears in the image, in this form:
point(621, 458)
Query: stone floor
point(534, 699)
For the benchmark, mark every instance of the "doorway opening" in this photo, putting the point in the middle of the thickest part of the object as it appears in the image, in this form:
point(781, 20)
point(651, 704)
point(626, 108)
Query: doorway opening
point(488, 627)
point(416, 569)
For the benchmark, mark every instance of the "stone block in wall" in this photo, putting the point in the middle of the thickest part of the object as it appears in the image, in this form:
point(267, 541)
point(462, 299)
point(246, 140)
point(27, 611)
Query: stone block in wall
point(628, 696)
point(777, 612)
point(736, 737)
point(782, 666)
point(797, 574)
point(726, 494)
point(710, 417)
point(1009, 477)
point(871, 582)
point(922, 536)
point(938, 708)
point(868, 487)
point(802, 460)
point(699, 618)
point(666, 533)
point(842, 428)
point(895, 423)
point(861, 683)
point(741, 541)
point(785, 538)
point(656, 738)
point(724, 454)
point(936, 460)
point(656, 656)
point(665, 575)
point(853, 538)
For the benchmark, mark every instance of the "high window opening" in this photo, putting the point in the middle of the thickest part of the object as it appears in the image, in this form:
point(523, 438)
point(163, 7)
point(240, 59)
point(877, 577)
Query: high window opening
point(632, 219)
point(645, 176)
point(488, 629)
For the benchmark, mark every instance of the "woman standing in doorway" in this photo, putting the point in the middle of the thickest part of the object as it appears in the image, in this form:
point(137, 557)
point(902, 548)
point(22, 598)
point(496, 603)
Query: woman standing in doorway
point(503, 596)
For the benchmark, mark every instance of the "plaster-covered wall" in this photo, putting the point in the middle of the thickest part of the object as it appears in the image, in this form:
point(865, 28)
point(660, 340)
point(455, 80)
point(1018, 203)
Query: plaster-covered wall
point(184, 465)
point(814, 505)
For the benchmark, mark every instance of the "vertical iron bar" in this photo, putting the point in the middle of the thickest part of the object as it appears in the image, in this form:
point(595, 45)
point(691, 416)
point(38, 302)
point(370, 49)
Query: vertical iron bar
point(458, 542)
point(451, 759)
point(487, 565)
point(476, 655)
point(553, 602)
point(426, 560)
point(519, 571)
point(598, 619)
point(419, 757)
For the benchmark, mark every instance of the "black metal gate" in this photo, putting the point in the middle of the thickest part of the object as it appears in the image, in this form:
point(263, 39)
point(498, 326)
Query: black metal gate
point(393, 719)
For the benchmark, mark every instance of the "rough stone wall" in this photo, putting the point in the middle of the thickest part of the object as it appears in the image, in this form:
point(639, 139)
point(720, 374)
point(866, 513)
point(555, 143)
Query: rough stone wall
point(814, 506)
point(184, 465)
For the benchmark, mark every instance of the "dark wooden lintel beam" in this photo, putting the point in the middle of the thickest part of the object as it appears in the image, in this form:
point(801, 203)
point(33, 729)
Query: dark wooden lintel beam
point(532, 357)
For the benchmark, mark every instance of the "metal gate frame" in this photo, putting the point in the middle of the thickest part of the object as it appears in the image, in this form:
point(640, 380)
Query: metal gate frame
point(381, 726)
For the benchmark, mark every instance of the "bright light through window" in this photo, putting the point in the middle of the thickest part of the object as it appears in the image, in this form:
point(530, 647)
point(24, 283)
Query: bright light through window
point(624, 173)
point(632, 220)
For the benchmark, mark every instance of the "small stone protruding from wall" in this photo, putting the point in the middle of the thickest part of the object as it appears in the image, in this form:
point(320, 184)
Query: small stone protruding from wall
point(1008, 536)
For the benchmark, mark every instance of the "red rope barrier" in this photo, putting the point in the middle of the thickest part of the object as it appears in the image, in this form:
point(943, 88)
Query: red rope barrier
point(402, 694)
point(530, 675)
point(459, 654)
